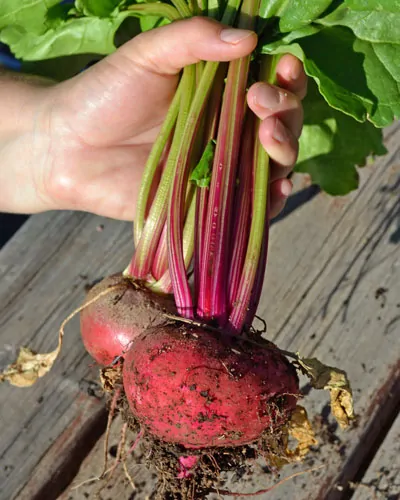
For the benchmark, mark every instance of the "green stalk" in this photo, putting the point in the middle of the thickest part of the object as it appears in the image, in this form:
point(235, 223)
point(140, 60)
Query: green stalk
point(160, 263)
point(183, 165)
point(259, 212)
point(142, 260)
point(153, 161)
point(202, 7)
point(245, 302)
point(182, 293)
point(150, 232)
point(183, 8)
point(164, 284)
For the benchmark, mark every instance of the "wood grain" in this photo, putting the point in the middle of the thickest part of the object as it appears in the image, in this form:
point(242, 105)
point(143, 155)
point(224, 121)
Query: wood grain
point(43, 272)
point(332, 291)
point(117, 485)
point(382, 479)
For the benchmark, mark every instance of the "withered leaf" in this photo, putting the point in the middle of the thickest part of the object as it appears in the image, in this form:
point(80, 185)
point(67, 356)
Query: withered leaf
point(336, 382)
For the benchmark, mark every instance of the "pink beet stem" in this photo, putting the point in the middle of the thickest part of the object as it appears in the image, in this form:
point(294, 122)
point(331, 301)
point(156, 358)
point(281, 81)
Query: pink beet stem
point(246, 300)
point(160, 263)
point(212, 297)
point(210, 133)
point(183, 164)
point(242, 204)
point(213, 301)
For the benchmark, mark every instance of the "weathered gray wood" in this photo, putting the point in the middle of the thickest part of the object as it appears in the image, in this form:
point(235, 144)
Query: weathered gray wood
point(382, 479)
point(118, 485)
point(43, 271)
point(332, 291)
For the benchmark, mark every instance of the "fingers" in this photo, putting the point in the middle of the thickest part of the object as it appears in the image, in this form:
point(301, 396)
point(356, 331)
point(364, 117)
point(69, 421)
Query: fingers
point(290, 75)
point(281, 145)
point(268, 100)
point(280, 190)
point(280, 109)
point(128, 92)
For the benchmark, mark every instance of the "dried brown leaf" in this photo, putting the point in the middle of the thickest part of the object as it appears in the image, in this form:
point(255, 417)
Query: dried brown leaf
point(336, 382)
point(110, 377)
point(29, 366)
point(300, 429)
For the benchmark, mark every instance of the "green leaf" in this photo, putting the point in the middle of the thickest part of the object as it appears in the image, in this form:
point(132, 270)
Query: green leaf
point(148, 23)
point(45, 29)
point(366, 86)
point(29, 14)
point(280, 44)
point(300, 13)
point(370, 20)
point(332, 143)
point(292, 14)
point(72, 36)
point(99, 8)
point(381, 65)
point(201, 174)
point(65, 36)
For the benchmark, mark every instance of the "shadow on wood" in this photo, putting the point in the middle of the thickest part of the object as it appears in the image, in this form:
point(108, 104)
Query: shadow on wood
point(296, 201)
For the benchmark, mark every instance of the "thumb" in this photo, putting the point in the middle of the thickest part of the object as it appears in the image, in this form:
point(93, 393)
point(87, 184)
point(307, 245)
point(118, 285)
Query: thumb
point(129, 92)
point(165, 51)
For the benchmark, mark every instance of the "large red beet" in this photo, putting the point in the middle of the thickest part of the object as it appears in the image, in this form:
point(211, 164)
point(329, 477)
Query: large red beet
point(202, 389)
point(109, 325)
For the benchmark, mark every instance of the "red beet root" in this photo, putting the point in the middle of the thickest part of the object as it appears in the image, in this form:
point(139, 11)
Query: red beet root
point(109, 325)
point(201, 389)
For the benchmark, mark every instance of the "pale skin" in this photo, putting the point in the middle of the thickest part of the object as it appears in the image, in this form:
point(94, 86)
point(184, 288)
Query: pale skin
point(82, 144)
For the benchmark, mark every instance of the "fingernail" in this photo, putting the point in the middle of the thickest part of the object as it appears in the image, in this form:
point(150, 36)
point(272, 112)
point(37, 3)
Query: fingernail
point(234, 36)
point(267, 96)
point(280, 133)
point(286, 188)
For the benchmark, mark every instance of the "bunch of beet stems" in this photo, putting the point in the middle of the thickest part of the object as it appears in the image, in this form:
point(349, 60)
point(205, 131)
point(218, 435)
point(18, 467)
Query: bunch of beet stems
point(203, 202)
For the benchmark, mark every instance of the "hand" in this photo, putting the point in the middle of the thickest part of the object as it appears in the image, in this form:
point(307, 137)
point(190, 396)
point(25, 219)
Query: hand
point(82, 144)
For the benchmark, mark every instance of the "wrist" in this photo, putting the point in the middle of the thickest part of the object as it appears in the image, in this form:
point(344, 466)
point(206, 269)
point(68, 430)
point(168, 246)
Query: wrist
point(20, 96)
point(24, 142)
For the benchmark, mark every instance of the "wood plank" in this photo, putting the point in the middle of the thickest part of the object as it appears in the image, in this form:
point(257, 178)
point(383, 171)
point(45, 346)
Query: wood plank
point(332, 291)
point(43, 271)
point(118, 485)
point(381, 481)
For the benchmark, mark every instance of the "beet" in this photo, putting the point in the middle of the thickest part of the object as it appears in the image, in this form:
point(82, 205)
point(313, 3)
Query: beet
point(202, 389)
point(109, 325)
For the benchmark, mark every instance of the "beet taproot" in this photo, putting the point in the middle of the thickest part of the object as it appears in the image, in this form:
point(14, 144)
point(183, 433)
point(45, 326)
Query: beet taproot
point(202, 389)
point(109, 324)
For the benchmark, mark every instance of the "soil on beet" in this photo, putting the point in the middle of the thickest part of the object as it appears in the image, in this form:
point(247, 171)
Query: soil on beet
point(205, 477)
point(131, 305)
point(198, 388)
point(126, 308)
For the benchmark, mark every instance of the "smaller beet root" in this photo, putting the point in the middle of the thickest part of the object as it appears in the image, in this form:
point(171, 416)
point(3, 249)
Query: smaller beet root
point(109, 324)
point(201, 389)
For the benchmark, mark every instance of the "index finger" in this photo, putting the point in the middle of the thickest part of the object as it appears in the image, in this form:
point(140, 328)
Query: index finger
point(291, 76)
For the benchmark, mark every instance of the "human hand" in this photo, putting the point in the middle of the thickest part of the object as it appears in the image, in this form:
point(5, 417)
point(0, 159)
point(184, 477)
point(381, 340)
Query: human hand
point(82, 144)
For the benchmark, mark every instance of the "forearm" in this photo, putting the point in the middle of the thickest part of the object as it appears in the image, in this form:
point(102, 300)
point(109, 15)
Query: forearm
point(21, 144)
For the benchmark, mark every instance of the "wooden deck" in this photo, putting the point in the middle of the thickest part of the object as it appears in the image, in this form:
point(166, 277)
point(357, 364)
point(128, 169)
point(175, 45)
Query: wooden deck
point(332, 291)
